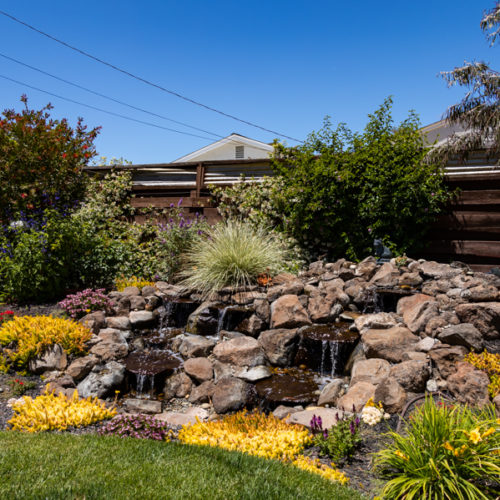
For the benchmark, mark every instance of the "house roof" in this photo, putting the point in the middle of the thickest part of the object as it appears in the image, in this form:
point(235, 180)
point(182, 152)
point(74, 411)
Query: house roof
point(440, 131)
point(235, 139)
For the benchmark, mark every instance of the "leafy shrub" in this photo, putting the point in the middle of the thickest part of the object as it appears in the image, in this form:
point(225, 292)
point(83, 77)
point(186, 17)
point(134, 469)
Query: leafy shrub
point(32, 335)
point(338, 442)
point(79, 304)
point(151, 249)
point(339, 190)
point(231, 253)
point(137, 426)
point(445, 452)
point(51, 412)
point(38, 256)
point(490, 364)
point(261, 435)
point(41, 161)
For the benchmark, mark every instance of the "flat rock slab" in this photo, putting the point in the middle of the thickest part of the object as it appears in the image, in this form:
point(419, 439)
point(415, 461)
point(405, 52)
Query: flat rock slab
point(176, 419)
point(329, 416)
point(142, 406)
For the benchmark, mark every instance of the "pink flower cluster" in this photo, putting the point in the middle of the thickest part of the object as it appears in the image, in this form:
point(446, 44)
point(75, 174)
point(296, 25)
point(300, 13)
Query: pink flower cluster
point(79, 304)
point(137, 426)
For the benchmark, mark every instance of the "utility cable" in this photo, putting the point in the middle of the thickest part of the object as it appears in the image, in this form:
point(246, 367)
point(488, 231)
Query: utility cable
point(143, 80)
point(104, 110)
point(107, 97)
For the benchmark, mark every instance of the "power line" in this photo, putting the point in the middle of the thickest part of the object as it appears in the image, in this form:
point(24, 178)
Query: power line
point(147, 82)
point(107, 97)
point(104, 110)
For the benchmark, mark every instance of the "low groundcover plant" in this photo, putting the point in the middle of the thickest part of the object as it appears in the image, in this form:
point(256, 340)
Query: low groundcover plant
point(32, 335)
point(445, 452)
point(261, 435)
point(51, 412)
point(79, 304)
point(137, 426)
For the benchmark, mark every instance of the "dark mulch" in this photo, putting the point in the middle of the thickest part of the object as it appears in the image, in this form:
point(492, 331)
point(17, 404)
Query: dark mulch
point(50, 308)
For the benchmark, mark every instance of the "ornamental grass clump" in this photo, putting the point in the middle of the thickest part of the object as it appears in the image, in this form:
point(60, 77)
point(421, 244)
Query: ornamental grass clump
point(232, 253)
point(79, 304)
point(29, 336)
point(137, 426)
point(50, 412)
point(445, 452)
point(258, 434)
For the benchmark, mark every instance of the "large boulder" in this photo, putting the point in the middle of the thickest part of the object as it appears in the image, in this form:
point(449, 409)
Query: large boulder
point(357, 396)
point(411, 375)
point(371, 370)
point(392, 396)
point(386, 276)
point(331, 392)
point(142, 319)
point(53, 358)
point(435, 270)
point(485, 316)
point(388, 344)
point(231, 394)
point(178, 385)
point(94, 321)
point(288, 312)
point(102, 380)
point(81, 367)
point(446, 357)
point(202, 393)
point(240, 351)
point(417, 310)
point(118, 322)
point(465, 334)
point(378, 321)
point(191, 346)
point(112, 345)
point(279, 345)
point(200, 369)
point(469, 385)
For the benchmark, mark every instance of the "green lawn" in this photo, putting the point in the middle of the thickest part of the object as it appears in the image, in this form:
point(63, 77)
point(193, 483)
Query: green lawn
point(67, 466)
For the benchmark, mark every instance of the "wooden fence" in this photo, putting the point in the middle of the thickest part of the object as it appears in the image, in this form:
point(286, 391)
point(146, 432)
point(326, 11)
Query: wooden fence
point(470, 233)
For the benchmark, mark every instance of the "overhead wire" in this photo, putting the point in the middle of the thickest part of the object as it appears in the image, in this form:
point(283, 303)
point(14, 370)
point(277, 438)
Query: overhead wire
point(144, 80)
point(17, 61)
point(119, 115)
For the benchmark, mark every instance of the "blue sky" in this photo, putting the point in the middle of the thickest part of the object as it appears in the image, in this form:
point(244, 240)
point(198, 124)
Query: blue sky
point(281, 65)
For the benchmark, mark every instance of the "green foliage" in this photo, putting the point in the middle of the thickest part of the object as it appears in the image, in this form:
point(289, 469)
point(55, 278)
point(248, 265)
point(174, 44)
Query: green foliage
point(41, 161)
point(339, 190)
point(37, 257)
point(151, 249)
point(232, 253)
point(340, 441)
point(445, 452)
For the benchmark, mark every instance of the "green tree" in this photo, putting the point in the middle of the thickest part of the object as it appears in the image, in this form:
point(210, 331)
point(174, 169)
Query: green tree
point(41, 161)
point(479, 111)
point(340, 190)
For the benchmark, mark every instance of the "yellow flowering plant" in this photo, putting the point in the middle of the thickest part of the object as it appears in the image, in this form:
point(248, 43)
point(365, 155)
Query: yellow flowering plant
point(261, 435)
point(122, 283)
point(51, 412)
point(32, 335)
point(490, 364)
point(445, 452)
